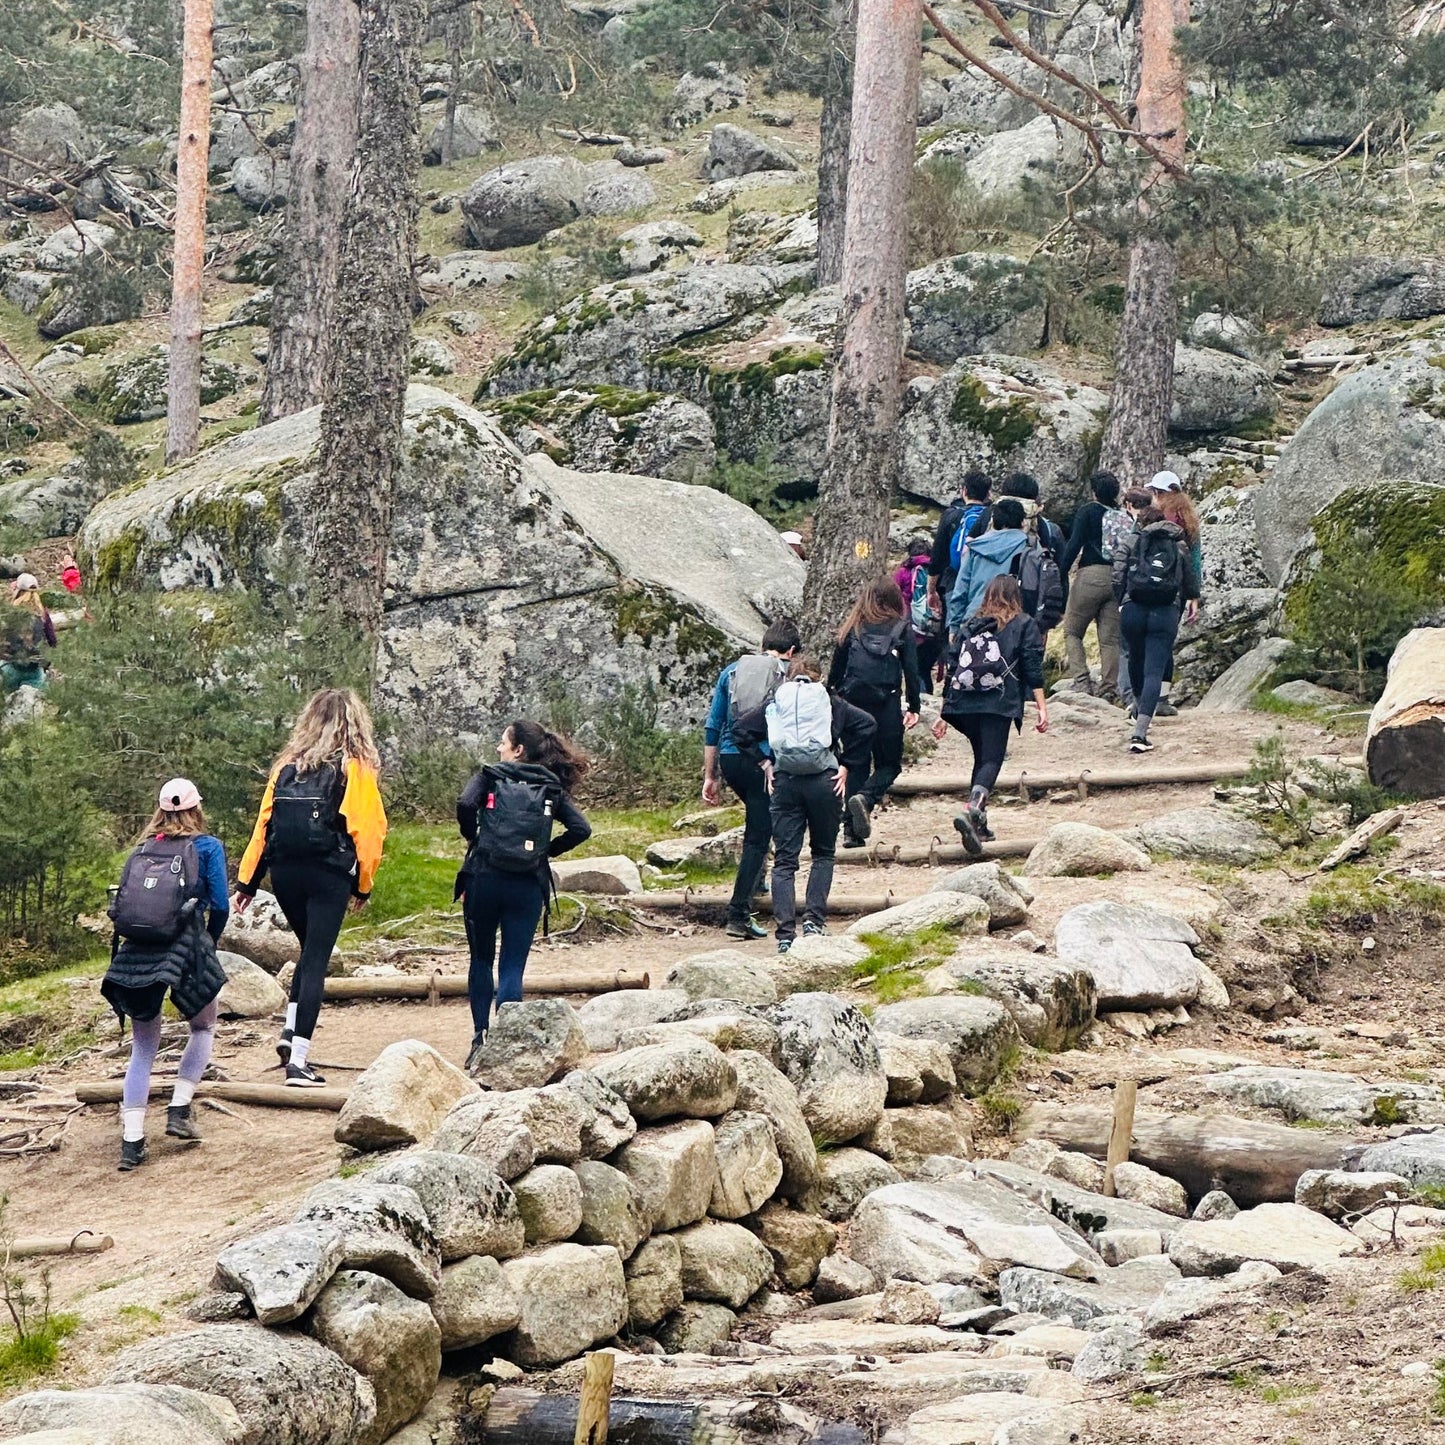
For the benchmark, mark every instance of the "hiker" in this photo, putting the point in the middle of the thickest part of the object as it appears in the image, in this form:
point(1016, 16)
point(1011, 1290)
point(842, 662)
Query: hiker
point(25, 627)
point(319, 833)
point(169, 912)
point(744, 686)
point(875, 664)
point(1134, 501)
point(813, 742)
point(996, 661)
point(795, 545)
point(69, 573)
point(1174, 502)
point(1153, 579)
point(1044, 583)
point(1100, 527)
point(506, 814)
point(965, 513)
point(984, 558)
point(925, 610)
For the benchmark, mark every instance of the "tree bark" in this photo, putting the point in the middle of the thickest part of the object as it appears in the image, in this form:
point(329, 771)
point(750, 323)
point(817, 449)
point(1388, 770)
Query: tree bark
point(370, 331)
point(1135, 439)
point(1039, 26)
point(851, 542)
point(321, 158)
point(837, 127)
point(183, 389)
point(459, 28)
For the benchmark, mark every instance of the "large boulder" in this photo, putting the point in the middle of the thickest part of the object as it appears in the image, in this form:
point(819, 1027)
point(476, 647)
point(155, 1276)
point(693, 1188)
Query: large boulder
point(1131, 1289)
point(749, 1168)
point(388, 1339)
point(1420, 1158)
point(1383, 288)
point(1011, 160)
point(402, 1098)
point(845, 1178)
point(978, 1033)
point(1080, 850)
point(1008, 898)
point(966, 305)
point(282, 1270)
point(50, 137)
point(523, 201)
point(607, 1016)
point(1002, 414)
point(283, 1386)
point(674, 1171)
point(469, 1208)
point(64, 249)
point(654, 1282)
point(1403, 751)
point(1288, 1236)
point(474, 130)
point(573, 1296)
point(696, 96)
point(723, 1263)
point(733, 152)
point(134, 390)
point(831, 1058)
point(958, 912)
point(475, 1303)
point(1212, 835)
point(250, 992)
point(384, 1229)
point(613, 190)
point(724, 974)
point(1216, 392)
point(654, 243)
point(530, 1044)
point(262, 934)
point(1052, 1003)
point(121, 1415)
point(605, 600)
point(687, 1077)
point(613, 1212)
point(1320, 1095)
point(763, 1090)
point(1380, 425)
point(1140, 957)
point(261, 180)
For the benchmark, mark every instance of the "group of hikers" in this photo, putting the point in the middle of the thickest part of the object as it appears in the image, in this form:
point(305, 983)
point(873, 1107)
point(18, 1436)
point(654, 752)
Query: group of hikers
point(969, 610)
point(27, 628)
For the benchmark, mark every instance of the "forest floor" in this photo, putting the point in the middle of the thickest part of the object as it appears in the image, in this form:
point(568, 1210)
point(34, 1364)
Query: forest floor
point(1323, 1363)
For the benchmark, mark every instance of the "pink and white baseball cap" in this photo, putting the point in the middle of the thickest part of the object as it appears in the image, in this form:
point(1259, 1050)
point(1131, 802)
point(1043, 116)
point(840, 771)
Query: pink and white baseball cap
point(179, 796)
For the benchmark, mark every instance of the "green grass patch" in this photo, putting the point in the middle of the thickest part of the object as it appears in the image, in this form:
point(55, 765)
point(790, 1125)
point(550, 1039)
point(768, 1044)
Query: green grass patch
point(25, 1357)
point(1144, 1400)
point(894, 966)
point(1354, 896)
point(1437, 1399)
point(1282, 1394)
point(1426, 1272)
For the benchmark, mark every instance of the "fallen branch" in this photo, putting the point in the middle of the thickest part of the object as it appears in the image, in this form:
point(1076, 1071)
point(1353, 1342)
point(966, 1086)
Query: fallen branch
point(1358, 843)
point(31, 380)
point(454, 985)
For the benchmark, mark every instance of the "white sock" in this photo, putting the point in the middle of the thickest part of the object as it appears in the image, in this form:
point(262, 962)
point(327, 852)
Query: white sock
point(1164, 689)
point(132, 1125)
point(182, 1094)
point(299, 1049)
point(291, 1017)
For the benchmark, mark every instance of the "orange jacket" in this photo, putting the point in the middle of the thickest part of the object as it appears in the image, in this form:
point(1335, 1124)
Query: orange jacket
point(361, 810)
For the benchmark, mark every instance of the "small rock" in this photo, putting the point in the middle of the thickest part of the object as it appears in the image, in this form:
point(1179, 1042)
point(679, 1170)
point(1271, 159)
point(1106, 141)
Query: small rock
point(688, 1077)
point(918, 1070)
point(282, 1270)
point(384, 1228)
point(1110, 1354)
point(906, 1303)
point(725, 974)
point(1336, 1193)
point(250, 992)
point(1119, 1246)
point(977, 1032)
point(748, 1165)
point(611, 875)
point(845, 1178)
point(1192, 1299)
point(841, 1278)
point(696, 1328)
point(612, 1210)
point(1144, 1186)
point(1287, 1236)
point(607, 1016)
point(530, 1044)
point(1008, 898)
point(674, 1171)
point(1215, 1205)
point(762, 1089)
point(607, 1123)
point(1079, 850)
point(721, 1262)
point(733, 152)
point(798, 1242)
point(549, 1199)
point(959, 912)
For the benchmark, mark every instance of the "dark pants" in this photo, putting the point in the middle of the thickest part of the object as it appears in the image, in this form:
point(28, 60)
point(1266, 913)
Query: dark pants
point(314, 899)
point(509, 903)
point(930, 649)
point(886, 761)
point(746, 779)
point(1149, 634)
point(987, 735)
point(803, 805)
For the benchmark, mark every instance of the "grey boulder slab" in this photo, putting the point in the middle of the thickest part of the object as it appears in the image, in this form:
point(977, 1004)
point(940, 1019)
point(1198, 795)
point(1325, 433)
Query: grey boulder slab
point(573, 1296)
point(387, 1338)
point(845, 1178)
point(384, 1228)
point(1193, 1299)
point(733, 152)
point(525, 200)
point(1320, 1094)
point(511, 1132)
point(831, 1058)
point(605, 1018)
point(549, 1199)
point(613, 876)
point(726, 1031)
point(401, 1098)
point(250, 992)
point(1141, 1185)
point(722, 1262)
point(1080, 850)
point(798, 1242)
point(1420, 1158)
point(1008, 898)
point(282, 1270)
point(122, 1415)
point(763, 1089)
point(958, 912)
point(1085, 1210)
point(725, 974)
point(994, 1418)
point(606, 1121)
point(674, 1171)
point(1336, 1193)
point(530, 1044)
point(475, 1303)
point(469, 1207)
point(1212, 835)
point(696, 1328)
point(654, 1282)
point(1052, 1004)
point(687, 1077)
point(749, 1168)
point(1287, 1236)
point(1128, 1290)
point(612, 1210)
point(1139, 957)
point(978, 1032)
point(819, 961)
point(283, 1386)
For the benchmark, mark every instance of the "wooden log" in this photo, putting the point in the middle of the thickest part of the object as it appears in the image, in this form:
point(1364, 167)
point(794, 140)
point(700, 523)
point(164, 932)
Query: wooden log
point(936, 854)
point(854, 907)
point(1222, 772)
point(1252, 1161)
point(454, 985)
point(1121, 1130)
point(1405, 738)
point(85, 1241)
point(276, 1096)
point(595, 1402)
point(1358, 843)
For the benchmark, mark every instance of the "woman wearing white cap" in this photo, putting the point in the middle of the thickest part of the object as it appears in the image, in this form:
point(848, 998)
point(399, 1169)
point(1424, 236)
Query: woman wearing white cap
point(144, 967)
point(24, 627)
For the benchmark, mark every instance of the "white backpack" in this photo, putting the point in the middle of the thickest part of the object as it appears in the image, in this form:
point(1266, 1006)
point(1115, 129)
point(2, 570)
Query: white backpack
point(800, 728)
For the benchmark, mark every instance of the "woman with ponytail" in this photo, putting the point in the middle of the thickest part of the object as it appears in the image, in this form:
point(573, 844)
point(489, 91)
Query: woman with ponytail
point(506, 814)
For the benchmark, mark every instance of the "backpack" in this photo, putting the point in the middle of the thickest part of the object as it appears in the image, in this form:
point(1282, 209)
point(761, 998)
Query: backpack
point(1156, 570)
point(971, 513)
point(921, 617)
point(800, 728)
point(874, 669)
point(306, 813)
point(753, 682)
point(514, 824)
point(157, 884)
point(21, 634)
point(1041, 582)
point(979, 668)
point(1114, 528)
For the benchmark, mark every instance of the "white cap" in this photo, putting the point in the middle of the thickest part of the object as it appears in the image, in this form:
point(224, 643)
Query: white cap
point(26, 582)
point(793, 539)
point(1166, 482)
point(179, 796)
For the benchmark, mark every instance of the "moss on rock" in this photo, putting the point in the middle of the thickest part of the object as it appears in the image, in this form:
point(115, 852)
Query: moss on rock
point(1006, 424)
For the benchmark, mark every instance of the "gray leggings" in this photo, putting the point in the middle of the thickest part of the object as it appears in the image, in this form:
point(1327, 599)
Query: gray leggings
point(145, 1042)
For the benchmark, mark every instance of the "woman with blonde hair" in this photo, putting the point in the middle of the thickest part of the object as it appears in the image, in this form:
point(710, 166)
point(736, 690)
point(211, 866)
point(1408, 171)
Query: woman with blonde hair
point(1178, 508)
point(320, 833)
point(173, 882)
point(25, 627)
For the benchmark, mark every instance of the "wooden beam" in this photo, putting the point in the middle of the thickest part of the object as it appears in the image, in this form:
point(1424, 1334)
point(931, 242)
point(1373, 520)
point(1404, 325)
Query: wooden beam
point(454, 985)
point(938, 852)
point(276, 1096)
point(84, 1241)
point(923, 785)
point(686, 898)
point(594, 1405)
point(1121, 1131)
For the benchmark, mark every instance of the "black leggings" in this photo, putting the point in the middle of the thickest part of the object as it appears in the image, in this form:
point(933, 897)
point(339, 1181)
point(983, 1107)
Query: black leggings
point(314, 899)
point(509, 904)
point(987, 734)
point(886, 759)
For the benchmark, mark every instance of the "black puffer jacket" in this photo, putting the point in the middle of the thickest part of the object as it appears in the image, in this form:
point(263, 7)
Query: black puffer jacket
point(140, 974)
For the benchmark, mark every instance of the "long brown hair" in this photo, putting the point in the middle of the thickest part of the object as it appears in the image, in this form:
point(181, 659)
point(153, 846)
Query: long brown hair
point(551, 750)
point(176, 823)
point(1003, 600)
point(879, 602)
point(1177, 508)
point(333, 725)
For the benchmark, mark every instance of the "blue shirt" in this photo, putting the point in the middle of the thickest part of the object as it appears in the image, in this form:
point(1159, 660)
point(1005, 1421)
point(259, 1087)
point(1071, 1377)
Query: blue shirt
point(215, 894)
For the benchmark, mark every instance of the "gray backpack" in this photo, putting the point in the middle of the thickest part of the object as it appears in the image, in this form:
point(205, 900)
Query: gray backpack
point(754, 680)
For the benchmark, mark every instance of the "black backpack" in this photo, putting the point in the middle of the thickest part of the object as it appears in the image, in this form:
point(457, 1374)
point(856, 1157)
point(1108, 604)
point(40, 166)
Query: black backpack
point(157, 892)
point(21, 634)
point(306, 814)
point(514, 823)
point(874, 670)
point(1041, 582)
point(1156, 570)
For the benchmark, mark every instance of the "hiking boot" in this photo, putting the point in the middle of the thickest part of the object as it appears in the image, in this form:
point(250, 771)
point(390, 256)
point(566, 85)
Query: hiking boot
point(132, 1154)
point(857, 811)
point(1082, 684)
point(747, 929)
point(283, 1047)
point(814, 930)
point(968, 833)
point(979, 817)
point(784, 944)
point(1140, 745)
point(851, 840)
point(1166, 709)
point(179, 1124)
point(303, 1076)
point(474, 1054)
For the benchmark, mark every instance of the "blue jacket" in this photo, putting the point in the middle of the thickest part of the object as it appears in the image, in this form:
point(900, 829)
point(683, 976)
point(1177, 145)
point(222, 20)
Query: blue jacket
point(984, 558)
point(214, 891)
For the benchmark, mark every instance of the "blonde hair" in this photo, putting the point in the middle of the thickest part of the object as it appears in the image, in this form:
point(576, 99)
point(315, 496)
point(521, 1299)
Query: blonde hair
point(176, 823)
point(333, 725)
point(30, 601)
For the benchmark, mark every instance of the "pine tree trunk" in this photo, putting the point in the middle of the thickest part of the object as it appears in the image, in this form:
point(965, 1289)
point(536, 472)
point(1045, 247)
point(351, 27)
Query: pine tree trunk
point(183, 389)
point(459, 28)
point(1135, 440)
point(321, 158)
point(1039, 26)
point(370, 332)
point(851, 543)
point(837, 126)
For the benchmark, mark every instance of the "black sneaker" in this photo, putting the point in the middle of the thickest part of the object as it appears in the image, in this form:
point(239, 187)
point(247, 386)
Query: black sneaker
point(784, 944)
point(1140, 745)
point(303, 1076)
point(283, 1047)
point(969, 834)
point(850, 840)
point(748, 929)
point(180, 1124)
point(857, 810)
point(474, 1054)
point(814, 930)
point(132, 1154)
point(979, 818)
point(1166, 709)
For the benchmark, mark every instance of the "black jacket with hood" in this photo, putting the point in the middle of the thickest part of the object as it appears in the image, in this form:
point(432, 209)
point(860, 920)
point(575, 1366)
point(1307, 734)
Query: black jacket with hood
point(1189, 590)
point(1022, 646)
point(576, 830)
